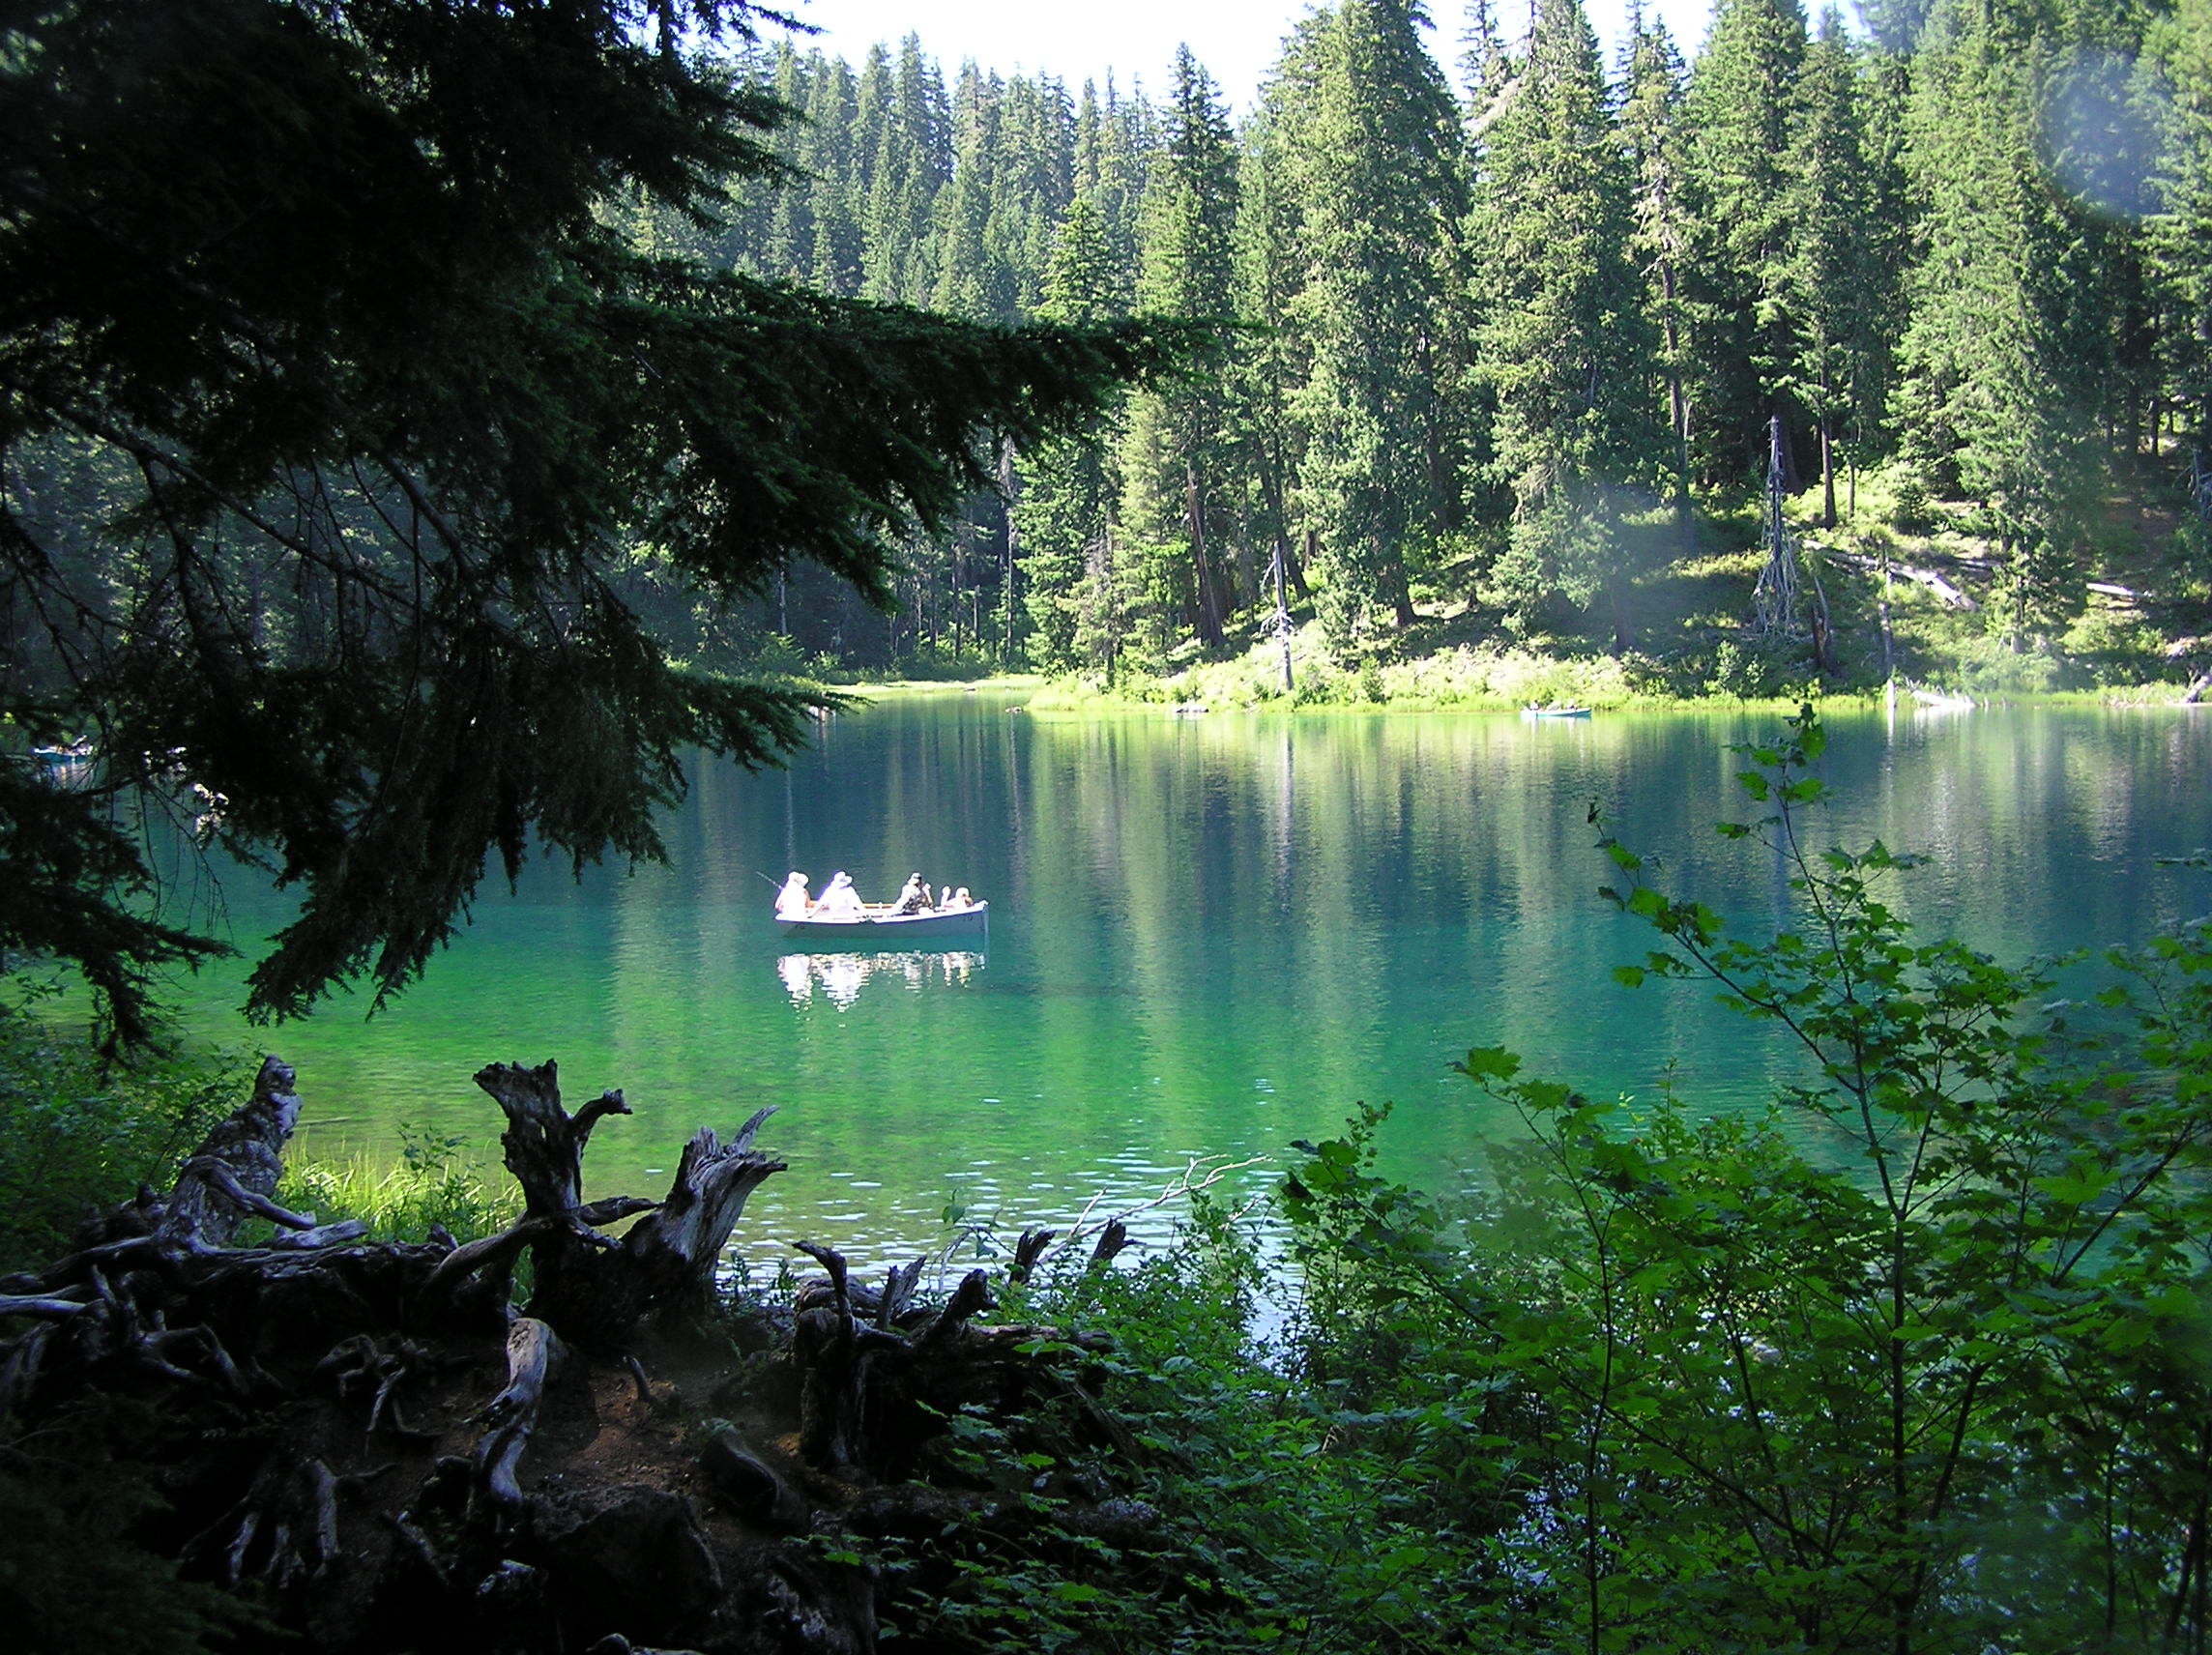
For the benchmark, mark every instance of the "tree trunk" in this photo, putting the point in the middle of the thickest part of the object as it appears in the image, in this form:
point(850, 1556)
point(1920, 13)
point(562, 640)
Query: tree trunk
point(1210, 607)
point(1678, 412)
point(1391, 562)
point(672, 1253)
point(1008, 484)
point(543, 1147)
point(1827, 475)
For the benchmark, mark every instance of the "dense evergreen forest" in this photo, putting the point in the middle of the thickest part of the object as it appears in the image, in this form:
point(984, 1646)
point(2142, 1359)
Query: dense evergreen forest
point(1515, 333)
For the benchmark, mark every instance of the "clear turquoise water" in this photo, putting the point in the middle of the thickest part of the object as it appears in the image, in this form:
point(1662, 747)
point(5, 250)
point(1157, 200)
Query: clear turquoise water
point(1208, 936)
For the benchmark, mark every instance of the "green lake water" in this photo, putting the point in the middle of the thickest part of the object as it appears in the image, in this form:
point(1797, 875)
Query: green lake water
point(1210, 936)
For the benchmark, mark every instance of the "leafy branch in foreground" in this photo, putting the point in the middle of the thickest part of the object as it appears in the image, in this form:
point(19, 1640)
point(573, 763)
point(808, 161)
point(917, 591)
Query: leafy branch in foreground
point(1915, 1361)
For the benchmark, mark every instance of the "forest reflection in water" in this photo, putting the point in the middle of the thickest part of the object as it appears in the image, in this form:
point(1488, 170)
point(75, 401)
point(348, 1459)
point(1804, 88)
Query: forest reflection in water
point(1210, 936)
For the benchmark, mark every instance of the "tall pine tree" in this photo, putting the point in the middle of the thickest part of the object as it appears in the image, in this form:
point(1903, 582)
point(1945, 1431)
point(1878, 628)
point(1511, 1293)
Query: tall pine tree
point(1563, 349)
point(1650, 126)
point(2182, 231)
point(1175, 455)
point(1381, 193)
point(1993, 387)
point(1740, 117)
point(1835, 279)
point(1061, 511)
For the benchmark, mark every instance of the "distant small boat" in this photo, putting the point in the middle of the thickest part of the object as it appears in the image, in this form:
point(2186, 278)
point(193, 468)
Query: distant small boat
point(69, 767)
point(881, 928)
point(1533, 713)
point(1942, 701)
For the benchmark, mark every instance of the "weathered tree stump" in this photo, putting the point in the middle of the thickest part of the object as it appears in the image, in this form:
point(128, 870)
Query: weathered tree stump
point(672, 1252)
point(590, 1287)
point(402, 1417)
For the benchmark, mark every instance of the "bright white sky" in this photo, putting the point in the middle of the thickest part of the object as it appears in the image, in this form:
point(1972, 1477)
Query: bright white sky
point(1237, 39)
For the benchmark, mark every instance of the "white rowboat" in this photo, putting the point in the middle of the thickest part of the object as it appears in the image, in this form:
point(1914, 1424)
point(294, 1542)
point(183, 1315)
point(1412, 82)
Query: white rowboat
point(881, 928)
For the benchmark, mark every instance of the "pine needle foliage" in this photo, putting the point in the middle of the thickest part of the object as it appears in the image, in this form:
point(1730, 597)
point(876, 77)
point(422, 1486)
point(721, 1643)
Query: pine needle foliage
point(332, 400)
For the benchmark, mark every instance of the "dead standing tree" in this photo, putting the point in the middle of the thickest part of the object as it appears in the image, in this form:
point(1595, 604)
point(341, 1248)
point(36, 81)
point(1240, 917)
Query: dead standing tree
point(1779, 601)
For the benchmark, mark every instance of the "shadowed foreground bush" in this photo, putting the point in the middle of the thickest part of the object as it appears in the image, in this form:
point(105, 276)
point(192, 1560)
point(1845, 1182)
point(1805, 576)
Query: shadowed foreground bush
point(79, 1135)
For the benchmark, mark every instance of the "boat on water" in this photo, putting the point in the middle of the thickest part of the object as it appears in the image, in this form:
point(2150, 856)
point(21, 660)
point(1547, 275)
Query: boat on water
point(882, 926)
point(1942, 701)
point(1534, 713)
point(69, 767)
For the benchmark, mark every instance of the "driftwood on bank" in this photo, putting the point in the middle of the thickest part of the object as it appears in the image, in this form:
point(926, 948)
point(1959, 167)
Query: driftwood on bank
point(393, 1400)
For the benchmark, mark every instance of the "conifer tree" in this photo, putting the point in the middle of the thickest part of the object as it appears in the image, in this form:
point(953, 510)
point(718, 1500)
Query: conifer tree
point(1175, 464)
point(2181, 46)
point(1484, 65)
point(1273, 359)
point(968, 281)
point(903, 131)
point(1889, 237)
point(832, 262)
point(330, 308)
point(1563, 346)
point(1740, 116)
point(1993, 383)
point(1834, 281)
point(1033, 181)
point(1114, 136)
point(1067, 486)
point(1381, 193)
point(1650, 127)
point(2105, 110)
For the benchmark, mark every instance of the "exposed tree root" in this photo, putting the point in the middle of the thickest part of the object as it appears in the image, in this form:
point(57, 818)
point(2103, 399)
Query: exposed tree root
point(369, 1442)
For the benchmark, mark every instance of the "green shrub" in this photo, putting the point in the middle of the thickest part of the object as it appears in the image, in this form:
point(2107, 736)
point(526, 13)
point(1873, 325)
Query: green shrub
point(1919, 1362)
point(1909, 509)
point(1758, 669)
point(79, 1135)
point(73, 1577)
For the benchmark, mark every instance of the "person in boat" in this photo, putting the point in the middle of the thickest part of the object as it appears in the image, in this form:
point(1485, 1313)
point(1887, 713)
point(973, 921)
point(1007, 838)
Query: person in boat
point(913, 896)
point(959, 902)
point(840, 902)
point(792, 902)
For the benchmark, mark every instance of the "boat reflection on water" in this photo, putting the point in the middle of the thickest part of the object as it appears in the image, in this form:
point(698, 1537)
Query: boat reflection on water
point(840, 977)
